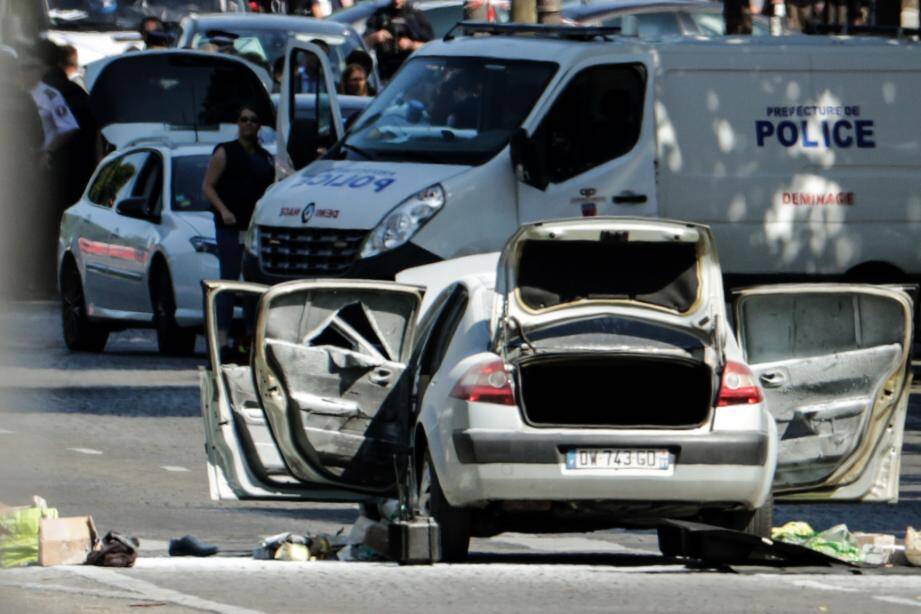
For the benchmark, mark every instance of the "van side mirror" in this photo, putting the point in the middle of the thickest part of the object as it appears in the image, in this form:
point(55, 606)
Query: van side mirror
point(136, 207)
point(528, 159)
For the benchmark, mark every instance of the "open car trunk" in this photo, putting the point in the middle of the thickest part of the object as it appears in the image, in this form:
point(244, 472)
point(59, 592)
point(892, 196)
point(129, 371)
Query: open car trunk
point(614, 390)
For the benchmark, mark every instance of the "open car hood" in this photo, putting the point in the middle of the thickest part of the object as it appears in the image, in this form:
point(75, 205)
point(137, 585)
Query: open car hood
point(204, 89)
point(662, 271)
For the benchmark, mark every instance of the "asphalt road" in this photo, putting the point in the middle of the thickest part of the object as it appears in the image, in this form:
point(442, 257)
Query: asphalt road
point(119, 436)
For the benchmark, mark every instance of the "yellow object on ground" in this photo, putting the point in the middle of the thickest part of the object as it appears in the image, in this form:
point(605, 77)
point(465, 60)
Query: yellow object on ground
point(19, 528)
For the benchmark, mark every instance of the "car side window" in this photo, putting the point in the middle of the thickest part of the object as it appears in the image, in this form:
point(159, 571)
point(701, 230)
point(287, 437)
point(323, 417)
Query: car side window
point(149, 184)
point(596, 119)
point(115, 180)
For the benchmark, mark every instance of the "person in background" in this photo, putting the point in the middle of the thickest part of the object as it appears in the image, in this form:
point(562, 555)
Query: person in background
point(154, 34)
point(363, 59)
point(394, 32)
point(278, 74)
point(76, 160)
point(355, 81)
point(321, 9)
point(71, 65)
point(238, 173)
point(59, 128)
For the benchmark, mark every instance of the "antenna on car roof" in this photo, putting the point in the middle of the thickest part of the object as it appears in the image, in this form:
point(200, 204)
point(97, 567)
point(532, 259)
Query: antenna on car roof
point(576, 33)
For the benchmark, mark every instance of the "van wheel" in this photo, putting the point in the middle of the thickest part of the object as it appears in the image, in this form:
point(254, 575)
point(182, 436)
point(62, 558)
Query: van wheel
point(172, 339)
point(80, 333)
point(453, 522)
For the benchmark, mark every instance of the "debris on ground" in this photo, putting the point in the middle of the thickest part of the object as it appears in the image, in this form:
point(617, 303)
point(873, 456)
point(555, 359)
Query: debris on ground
point(66, 541)
point(294, 547)
point(913, 546)
point(838, 542)
point(19, 531)
point(116, 550)
point(190, 545)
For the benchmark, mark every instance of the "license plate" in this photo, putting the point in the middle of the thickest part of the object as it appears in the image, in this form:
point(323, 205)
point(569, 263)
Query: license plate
point(619, 459)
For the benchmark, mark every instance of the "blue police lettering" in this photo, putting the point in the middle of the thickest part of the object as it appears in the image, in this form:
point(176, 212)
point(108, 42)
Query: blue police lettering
point(380, 184)
point(842, 133)
point(361, 181)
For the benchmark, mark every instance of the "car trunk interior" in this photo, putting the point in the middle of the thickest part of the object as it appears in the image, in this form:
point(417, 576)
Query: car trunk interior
point(620, 391)
point(664, 274)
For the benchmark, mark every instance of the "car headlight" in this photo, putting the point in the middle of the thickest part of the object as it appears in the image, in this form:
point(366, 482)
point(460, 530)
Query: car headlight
point(251, 239)
point(404, 221)
point(204, 244)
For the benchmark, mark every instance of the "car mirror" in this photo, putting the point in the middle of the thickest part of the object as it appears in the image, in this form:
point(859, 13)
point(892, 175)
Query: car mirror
point(527, 159)
point(136, 207)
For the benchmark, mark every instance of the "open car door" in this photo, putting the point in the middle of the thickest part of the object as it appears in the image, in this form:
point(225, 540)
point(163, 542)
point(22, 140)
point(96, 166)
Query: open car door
point(325, 407)
point(834, 363)
point(308, 120)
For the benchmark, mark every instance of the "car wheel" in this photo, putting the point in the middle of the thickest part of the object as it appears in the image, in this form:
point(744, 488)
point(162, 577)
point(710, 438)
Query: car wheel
point(80, 333)
point(172, 339)
point(757, 522)
point(453, 522)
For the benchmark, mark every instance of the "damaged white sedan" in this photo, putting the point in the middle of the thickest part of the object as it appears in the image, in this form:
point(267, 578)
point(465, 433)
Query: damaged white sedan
point(591, 380)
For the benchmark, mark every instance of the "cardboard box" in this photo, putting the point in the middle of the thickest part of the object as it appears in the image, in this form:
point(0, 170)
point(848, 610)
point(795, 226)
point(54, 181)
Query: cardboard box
point(65, 541)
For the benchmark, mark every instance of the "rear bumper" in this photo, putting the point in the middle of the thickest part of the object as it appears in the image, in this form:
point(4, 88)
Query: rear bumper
point(384, 266)
point(486, 446)
point(719, 469)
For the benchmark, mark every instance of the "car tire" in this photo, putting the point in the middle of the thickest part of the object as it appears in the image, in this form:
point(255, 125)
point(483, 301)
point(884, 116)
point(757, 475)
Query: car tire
point(757, 522)
point(80, 333)
point(453, 522)
point(172, 339)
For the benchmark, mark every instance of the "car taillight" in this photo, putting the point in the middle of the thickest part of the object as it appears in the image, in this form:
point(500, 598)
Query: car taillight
point(486, 383)
point(738, 386)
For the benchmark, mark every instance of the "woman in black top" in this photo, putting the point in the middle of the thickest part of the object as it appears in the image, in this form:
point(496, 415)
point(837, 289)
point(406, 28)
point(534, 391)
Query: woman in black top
point(238, 174)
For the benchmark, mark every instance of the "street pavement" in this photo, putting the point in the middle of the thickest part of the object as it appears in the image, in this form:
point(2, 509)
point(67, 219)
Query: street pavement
point(119, 436)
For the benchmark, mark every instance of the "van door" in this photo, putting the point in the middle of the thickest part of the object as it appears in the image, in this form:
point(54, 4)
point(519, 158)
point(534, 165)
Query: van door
point(593, 152)
point(325, 409)
point(308, 120)
point(833, 360)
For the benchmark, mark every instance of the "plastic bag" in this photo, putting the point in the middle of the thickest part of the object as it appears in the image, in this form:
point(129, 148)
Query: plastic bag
point(19, 533)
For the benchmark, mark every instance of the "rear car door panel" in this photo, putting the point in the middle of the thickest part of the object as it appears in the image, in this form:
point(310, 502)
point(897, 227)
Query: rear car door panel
point(833, 360)
point(330, 366)
point(326, 407)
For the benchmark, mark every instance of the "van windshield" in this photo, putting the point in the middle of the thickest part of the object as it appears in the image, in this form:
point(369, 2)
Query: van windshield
point(448, 110)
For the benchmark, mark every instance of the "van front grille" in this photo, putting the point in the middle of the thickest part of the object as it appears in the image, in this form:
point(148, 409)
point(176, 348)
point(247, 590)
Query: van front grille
point(308, 252)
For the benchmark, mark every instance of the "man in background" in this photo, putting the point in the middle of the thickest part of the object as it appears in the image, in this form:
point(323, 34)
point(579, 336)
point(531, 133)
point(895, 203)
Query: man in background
point(394, 32)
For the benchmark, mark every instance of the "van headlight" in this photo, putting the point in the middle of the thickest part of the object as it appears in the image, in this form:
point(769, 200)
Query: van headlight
point(404, 221)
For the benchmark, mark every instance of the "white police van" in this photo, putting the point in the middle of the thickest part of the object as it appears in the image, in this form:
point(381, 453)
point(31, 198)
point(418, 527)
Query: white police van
point(801, 153)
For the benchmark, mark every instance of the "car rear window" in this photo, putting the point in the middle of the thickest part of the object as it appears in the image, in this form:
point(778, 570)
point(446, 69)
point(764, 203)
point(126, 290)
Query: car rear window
point(552, 273)
point(188, 173)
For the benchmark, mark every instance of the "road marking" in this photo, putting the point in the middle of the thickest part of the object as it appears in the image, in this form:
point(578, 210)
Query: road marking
point(568, 544)
point(5, 432)
point(85, 450)
point(173, 468)
point(61, 588)
point(898, 600)
point(151, 592)
point(822, 586)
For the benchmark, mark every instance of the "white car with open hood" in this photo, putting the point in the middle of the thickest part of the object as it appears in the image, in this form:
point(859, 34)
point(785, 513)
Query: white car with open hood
point(132, 252)
point(561, 389)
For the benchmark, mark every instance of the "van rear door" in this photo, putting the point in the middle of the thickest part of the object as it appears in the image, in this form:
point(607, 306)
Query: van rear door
point(833, 360)
point(306, 128)
point(593, 152)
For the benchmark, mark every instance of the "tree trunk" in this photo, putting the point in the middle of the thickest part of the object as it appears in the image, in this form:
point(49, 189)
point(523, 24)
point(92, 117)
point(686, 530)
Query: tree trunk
point(524, 11)
point(549, 11)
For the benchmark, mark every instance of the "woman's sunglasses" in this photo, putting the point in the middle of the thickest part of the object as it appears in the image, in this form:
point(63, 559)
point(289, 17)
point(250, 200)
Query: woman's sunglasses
point(248, 119)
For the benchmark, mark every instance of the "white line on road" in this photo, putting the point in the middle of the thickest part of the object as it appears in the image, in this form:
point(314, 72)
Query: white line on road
point(898, 600)
point(85, 450)
point(5, 432)
point(151, 592)
point(173, 468)
point(822, 586)
point(62, 588)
